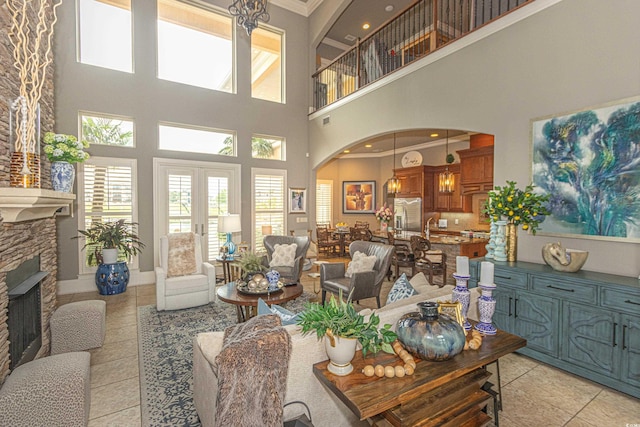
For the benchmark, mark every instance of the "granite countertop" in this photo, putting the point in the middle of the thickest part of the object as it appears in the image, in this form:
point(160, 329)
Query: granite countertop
point(442, 238)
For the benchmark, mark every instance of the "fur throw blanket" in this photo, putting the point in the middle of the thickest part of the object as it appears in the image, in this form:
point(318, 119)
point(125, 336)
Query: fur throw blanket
point(252, 372)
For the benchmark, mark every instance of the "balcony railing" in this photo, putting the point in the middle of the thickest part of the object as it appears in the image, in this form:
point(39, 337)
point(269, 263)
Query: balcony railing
point(417, 31)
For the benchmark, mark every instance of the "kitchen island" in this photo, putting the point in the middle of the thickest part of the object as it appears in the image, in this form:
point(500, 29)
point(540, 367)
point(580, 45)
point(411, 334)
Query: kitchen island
point(452, 246)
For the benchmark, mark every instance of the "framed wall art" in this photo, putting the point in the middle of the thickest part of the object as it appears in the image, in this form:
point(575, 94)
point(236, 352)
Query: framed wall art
point(358, 197)
point(587, 161)
point(297, 200)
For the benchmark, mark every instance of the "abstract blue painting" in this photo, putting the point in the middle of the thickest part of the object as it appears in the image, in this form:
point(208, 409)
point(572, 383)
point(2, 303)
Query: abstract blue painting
point(589, 163)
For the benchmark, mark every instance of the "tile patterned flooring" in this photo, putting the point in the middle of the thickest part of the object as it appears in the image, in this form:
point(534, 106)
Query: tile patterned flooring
point(534, 394)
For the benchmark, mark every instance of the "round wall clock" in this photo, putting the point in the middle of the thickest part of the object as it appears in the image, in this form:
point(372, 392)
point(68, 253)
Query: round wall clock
point(411, 158)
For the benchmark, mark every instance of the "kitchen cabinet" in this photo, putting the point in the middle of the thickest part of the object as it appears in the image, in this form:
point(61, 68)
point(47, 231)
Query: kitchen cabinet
point(476, 170)
point(586, 323)
point(450, 202)
point(417, 181)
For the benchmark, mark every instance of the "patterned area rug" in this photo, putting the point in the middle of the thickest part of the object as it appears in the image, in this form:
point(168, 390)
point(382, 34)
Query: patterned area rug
point(166, 376)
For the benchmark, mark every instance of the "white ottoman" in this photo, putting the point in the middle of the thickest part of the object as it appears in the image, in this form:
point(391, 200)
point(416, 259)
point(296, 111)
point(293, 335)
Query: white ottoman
point(78, 326)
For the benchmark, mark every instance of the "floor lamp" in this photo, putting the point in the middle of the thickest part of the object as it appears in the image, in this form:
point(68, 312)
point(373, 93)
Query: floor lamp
point(229, 224)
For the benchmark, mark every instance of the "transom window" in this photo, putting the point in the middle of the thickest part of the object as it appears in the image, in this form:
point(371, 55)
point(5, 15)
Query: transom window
point(196, 140)
point(106, 130)
point(195, 46)
point(267, 147)
point(105, 38)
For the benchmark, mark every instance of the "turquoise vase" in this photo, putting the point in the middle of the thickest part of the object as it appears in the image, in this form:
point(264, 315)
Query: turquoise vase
point(428, 335)
point(112, 279)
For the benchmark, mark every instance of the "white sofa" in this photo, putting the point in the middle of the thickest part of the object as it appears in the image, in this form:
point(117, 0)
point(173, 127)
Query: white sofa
point(326, 409)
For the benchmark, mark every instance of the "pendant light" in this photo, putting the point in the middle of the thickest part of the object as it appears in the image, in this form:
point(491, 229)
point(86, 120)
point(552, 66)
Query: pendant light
point(446, 178)
point(393, 185)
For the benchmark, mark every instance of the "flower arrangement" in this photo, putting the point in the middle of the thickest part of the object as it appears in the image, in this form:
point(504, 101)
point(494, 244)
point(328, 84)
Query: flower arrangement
point(384, 214)
point(64, 148)
point(517, 206)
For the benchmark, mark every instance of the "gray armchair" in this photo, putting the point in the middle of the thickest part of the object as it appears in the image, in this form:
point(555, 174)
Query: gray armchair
point(366, 284)
point(294, 272)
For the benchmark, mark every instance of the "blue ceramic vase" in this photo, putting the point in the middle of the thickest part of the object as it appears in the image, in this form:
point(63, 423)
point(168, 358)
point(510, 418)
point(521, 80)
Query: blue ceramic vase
point(428, 335)
point(62, 176)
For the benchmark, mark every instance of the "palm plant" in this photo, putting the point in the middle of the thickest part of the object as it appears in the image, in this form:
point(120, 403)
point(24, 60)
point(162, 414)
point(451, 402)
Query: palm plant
point(120, 235)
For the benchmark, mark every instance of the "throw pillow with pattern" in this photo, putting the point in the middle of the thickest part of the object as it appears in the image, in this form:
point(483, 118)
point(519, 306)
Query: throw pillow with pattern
point(360, 262)
point(401, 289)
point(287, 317)
point(283, 255)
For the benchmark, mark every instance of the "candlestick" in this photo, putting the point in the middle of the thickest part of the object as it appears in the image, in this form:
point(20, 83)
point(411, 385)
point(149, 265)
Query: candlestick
point(461, 293)
point(462, 265)
point(486, 272)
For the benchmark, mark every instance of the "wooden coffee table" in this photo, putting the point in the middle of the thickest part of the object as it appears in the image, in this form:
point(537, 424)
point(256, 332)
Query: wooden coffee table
point(447, 393)
point(246, 305)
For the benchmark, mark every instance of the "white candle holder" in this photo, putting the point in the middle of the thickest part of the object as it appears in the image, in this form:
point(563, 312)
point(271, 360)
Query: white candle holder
point(461, 293)
point(486, 307)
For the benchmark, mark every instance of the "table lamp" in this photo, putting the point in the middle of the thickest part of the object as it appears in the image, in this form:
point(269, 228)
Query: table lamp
point(229, 224)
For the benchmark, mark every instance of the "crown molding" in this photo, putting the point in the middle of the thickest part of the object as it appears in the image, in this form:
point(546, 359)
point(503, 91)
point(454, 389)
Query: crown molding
point(296, 6)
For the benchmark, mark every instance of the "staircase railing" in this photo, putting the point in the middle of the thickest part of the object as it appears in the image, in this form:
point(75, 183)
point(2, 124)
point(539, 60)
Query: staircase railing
point(417, 31)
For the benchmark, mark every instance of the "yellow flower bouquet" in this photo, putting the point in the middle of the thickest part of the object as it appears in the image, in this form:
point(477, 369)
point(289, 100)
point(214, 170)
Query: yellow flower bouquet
point(517, 206)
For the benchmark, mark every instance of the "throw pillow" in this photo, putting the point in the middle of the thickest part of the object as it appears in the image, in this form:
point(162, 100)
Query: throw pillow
point(283, 255)
point(401, 289)
point(360, 262)
point(181, 254)
point(287, 317)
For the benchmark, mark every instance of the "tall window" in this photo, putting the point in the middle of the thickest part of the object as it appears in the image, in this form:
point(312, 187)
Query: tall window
point(324, 200)
point(267, 64)
point(105, 34)
point(195, 46)
point(107, 192)
point(268, 203)
point(106, 130)
point(267, 147)
point(196, 140)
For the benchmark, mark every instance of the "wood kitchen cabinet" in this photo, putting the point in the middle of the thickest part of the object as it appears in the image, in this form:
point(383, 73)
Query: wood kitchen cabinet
point(417, 181)
point(450, 202)
point(476, 170)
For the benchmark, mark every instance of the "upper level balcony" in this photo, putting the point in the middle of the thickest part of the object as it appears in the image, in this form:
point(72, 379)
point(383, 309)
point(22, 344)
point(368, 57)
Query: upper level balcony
point(414, 33)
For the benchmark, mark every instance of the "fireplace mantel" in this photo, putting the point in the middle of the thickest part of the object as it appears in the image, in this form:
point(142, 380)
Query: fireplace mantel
point(27, 204)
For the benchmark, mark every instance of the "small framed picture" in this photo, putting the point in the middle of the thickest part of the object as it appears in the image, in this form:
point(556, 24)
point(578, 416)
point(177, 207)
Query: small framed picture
point(451, 309)
point(297, 200)
point(243, 248)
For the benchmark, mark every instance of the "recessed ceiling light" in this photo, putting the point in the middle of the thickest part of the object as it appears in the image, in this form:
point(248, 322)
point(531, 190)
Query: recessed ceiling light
point(366, 26)
point(389, 8)
point(368, 145)
point(346, 151)
point(433, 135)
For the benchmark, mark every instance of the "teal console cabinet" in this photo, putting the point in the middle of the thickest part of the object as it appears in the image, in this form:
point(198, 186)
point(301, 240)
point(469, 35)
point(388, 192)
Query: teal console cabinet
point(586, 323)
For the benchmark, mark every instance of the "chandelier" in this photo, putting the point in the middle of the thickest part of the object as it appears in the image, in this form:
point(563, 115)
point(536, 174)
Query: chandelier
point(249, 12)
point(446, 179)
point(393, 185)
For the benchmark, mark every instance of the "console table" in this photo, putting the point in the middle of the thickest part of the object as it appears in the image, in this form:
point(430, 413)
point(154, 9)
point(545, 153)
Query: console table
point(586, 323)
point(438, 393)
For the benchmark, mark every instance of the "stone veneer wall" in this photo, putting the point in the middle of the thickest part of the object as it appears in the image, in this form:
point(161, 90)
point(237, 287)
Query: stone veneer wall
point(22, 241)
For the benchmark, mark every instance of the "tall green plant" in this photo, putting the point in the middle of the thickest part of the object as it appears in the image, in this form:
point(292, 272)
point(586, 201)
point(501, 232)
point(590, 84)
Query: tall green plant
point(120, 235)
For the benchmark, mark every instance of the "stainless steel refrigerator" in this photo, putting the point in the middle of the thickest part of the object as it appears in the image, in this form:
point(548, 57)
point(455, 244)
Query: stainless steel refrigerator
point(407, 214)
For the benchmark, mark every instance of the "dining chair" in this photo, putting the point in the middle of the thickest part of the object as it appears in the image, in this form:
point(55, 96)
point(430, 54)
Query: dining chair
point(403, 256)
point(326, 242)
point(428, 261)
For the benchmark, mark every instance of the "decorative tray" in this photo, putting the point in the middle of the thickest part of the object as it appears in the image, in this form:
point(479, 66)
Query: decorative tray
point(243, 287)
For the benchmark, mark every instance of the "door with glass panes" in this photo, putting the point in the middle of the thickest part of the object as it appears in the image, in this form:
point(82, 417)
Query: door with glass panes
point(192, 196)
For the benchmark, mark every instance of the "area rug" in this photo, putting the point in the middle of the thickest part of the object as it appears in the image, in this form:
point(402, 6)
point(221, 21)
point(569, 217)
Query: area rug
point(165, 353)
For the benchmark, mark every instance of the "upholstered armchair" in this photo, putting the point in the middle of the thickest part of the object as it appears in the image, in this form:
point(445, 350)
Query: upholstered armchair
point(364, 284)
point(183, 279)
point(293, 271)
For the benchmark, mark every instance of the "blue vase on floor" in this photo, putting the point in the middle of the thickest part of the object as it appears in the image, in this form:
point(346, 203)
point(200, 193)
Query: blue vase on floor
point(112, 279)
point(62, 176)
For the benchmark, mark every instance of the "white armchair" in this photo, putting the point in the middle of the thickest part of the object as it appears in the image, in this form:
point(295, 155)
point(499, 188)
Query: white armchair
point(188, 290)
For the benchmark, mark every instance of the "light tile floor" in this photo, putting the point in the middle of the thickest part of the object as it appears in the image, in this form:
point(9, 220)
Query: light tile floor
point(534, 394)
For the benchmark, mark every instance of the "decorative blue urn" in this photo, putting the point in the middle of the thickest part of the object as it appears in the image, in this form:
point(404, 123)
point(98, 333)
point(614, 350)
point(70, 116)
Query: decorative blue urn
point(112, 279)
point(428, 335)
point(62, 176)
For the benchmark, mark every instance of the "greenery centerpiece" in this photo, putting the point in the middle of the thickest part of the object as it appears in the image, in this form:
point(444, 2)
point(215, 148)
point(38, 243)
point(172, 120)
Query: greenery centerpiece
point(251, 264)
point(338, 318)
point(517, 207)
point(119, 236)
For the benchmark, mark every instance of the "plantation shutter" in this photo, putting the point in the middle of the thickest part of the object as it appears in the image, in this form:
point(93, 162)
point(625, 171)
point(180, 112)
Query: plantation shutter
point(269, 205)
point(324, 201)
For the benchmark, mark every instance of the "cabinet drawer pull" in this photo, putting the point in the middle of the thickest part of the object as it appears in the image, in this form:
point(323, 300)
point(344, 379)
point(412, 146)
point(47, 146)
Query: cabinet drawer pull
point(503, 277)
point(632, 302)
point(515, 309)
point(510, 300)
point(624, 335)
point(560, 289)
point(615, 328)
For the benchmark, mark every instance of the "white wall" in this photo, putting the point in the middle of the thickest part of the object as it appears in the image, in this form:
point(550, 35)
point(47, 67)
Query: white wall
point(572, 55)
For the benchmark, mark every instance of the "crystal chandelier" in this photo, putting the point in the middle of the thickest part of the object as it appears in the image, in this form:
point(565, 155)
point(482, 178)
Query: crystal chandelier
point(249, 12)
point(393, 185)
point(446, 179)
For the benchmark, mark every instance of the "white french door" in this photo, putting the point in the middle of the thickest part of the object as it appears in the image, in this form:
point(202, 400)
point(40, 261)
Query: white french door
point(191, 195)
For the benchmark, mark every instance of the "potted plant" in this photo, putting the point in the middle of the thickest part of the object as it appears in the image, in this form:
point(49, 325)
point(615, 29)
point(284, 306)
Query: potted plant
point(109, 239)
point(251, 264)
point(342, 327)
